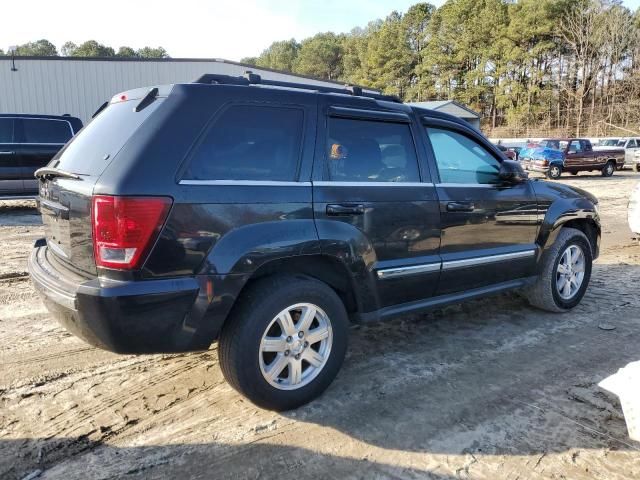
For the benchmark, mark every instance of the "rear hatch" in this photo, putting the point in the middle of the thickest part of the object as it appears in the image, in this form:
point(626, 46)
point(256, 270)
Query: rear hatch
point(66, 184)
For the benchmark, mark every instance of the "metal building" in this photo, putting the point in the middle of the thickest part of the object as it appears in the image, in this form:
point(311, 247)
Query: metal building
point(453, 108)
point(78, 86)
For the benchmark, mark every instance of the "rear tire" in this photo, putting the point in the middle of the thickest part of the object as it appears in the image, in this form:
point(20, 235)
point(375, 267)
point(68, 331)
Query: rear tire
point(636, 167)
point(264, 357)
point(547, 293)
point(608, 169)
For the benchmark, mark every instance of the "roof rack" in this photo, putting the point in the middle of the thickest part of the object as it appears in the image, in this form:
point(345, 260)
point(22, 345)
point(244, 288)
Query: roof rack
point(250, 78)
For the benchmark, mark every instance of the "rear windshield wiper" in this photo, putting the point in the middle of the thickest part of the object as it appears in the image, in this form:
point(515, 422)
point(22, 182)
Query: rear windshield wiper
point(50, 172)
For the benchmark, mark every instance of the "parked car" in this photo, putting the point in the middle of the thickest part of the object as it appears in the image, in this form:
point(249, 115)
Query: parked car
point(633, 211)
point(266, 216)
point(635, 163)
point(554, 156)
point(630, 146)
point(606, 143)
point(28, 142)
point(509, 153)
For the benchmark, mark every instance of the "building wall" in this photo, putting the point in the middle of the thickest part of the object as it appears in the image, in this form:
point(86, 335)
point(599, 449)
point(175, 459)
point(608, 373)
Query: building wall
point(78, 87)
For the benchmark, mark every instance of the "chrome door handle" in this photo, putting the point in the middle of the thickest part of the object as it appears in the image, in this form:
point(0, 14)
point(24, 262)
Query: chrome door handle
point(345, 209)
point(460, 207)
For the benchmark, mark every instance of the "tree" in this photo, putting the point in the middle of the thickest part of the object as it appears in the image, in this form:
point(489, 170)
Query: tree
point(92, 48)
point(320, 56)
point(39, 48)
point(584, 30)
point(279, 55)
point(249, 60)
point(68, 48)
point(126, 52)
point(152, 52)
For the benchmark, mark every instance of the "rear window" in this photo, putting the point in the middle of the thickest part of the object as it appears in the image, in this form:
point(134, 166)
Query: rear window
point(249, 142)
point(40, 130)
point(95, 146)
point(6, 130)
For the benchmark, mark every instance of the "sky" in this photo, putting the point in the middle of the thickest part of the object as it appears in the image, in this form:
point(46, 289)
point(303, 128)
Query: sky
point(191, 28)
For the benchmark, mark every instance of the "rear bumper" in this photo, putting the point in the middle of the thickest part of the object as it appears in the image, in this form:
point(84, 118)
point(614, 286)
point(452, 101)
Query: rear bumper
point(147, 316)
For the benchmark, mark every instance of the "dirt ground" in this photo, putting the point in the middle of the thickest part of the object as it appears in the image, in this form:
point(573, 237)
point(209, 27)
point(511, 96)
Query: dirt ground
point(490, 389)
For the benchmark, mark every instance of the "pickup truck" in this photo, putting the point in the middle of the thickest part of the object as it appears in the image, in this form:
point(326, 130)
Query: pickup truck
point(630, 146)
point(556, 155)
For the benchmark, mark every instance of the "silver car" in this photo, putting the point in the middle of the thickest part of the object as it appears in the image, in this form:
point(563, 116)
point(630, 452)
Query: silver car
point(633, 211)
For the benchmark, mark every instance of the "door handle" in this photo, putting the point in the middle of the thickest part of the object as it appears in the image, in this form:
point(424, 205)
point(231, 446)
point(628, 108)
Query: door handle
point(460, 207)
point(6, 153)
point(345, 209)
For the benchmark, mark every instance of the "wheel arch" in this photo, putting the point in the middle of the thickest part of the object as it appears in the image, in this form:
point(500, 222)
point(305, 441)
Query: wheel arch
point(324, 268)
point(587, 224)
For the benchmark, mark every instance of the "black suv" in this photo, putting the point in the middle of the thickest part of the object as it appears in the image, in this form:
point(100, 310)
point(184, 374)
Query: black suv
point(268, 215)
point(28, 142)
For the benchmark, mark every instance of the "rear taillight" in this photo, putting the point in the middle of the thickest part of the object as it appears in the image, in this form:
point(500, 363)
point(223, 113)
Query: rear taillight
point(124, 228)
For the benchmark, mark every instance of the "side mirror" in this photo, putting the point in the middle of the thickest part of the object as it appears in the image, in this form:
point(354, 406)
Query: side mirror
point(512, 172)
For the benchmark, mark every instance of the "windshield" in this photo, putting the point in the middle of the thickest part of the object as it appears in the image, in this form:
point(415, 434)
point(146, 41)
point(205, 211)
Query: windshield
point(612, 142)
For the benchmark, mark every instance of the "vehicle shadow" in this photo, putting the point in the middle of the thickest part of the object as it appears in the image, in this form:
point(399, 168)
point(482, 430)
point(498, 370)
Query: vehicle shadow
point(97, 460)
point(16, 213)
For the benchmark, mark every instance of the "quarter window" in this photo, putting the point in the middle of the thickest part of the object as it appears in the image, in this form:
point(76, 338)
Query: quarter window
point(249, 142)
point(461, 159)
point(45, 131)
point(6, 130)
point(370, 151)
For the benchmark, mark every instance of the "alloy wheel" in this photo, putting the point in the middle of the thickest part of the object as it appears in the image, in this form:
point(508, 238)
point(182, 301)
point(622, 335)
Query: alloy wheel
point(295, 346)
point(570, 272)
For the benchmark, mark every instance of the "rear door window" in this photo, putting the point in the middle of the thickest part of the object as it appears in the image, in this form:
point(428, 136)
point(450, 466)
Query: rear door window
point(6, 130)
point(370, 151)
point(249, 142)
point(45, 131)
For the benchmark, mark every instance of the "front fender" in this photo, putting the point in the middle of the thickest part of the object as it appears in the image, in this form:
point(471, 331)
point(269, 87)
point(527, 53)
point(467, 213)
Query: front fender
point(558, 213)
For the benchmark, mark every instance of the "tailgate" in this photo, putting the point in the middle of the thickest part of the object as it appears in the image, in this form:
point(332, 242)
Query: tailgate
point(65, 203)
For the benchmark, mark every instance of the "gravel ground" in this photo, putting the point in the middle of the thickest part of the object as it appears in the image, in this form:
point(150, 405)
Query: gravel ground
point(489, 389)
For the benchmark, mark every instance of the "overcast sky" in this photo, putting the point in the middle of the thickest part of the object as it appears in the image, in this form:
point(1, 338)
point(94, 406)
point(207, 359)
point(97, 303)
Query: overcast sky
point(190, 28)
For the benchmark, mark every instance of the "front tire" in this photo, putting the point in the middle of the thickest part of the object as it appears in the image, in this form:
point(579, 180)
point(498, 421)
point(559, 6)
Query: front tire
point(565, 273)
point(555, 171)
point(636, 167)
point(285, 342)
point(608, 169)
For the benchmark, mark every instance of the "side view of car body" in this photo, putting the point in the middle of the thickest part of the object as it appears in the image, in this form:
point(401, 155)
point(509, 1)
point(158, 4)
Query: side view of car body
point(29, 142)
point(267, 216)
point(630, 146)
point(555, 156)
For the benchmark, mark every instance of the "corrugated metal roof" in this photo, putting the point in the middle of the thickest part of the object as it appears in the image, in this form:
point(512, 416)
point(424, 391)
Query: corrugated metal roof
point(78, 86)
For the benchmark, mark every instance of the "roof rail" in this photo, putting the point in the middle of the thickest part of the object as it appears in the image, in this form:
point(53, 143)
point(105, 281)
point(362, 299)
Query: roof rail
point(250, 78)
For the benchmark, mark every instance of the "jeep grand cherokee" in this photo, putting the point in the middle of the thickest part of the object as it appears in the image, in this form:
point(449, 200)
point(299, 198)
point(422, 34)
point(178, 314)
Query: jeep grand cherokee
point(266, 216)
